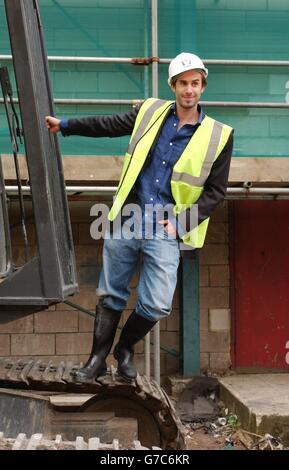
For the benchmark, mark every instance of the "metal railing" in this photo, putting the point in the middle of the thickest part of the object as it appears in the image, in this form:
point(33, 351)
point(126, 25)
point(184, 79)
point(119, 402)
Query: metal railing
point(154, 61)
point(134, 102)
point(246, 190)
point(139, 61)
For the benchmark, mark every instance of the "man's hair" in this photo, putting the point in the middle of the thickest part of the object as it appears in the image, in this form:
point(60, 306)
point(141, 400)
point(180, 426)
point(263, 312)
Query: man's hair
point(204, 80)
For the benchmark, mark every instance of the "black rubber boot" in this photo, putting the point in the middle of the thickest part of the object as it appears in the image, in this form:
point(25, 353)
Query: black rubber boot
point(133, 331)
point(105, 325)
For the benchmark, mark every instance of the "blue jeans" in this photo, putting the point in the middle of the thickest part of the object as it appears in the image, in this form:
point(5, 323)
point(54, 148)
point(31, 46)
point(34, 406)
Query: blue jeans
point(159, 259)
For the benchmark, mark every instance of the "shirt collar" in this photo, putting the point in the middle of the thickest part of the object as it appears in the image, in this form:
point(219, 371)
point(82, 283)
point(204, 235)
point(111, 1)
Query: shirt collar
point(200, 110)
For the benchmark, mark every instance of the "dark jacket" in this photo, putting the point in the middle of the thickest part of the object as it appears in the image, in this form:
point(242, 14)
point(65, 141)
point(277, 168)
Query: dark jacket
point(123, 124)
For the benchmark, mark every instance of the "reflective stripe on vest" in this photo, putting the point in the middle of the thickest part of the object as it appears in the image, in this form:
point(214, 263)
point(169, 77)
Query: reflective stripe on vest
point(208, 161)
point(143, 124)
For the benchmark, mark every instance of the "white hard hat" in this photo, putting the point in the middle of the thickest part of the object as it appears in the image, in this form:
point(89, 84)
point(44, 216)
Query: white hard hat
point(183, 62)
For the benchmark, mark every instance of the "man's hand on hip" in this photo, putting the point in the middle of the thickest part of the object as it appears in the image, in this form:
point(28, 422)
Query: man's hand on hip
point(169, 227)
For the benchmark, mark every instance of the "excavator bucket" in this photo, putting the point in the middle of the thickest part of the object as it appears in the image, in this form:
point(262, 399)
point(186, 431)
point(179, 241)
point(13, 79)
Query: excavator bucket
point(50, 276)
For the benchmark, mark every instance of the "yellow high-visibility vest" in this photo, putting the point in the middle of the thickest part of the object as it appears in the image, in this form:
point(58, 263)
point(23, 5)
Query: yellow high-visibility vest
point(190, 171)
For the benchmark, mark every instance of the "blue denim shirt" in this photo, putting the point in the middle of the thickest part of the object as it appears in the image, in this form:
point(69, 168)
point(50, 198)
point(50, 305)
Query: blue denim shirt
point(153, 185)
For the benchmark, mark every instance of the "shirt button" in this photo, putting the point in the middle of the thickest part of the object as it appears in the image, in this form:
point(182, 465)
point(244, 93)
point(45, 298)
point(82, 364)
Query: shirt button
point(171, 144)
point(151, 198)
point(174, 124)
point(157, 181)
point(164, 162)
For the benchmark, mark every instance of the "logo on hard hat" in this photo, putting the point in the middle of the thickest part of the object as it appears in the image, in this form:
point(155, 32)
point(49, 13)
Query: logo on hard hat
point(186, 62)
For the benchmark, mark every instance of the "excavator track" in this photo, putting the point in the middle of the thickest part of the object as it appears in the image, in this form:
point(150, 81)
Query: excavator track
point(142, 399)
point(39, 442)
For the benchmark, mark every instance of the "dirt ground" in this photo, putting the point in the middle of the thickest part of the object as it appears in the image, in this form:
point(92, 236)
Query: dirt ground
point(200, 440)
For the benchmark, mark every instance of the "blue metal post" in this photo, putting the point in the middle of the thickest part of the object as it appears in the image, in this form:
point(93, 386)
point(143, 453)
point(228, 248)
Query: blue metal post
point(190, 317)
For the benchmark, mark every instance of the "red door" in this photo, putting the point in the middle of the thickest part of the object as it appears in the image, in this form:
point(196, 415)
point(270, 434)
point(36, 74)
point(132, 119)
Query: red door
point(260, 280)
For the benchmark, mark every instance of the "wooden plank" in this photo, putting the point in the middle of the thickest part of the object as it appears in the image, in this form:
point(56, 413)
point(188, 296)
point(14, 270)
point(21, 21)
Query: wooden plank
point(106, 169)
point(92, 169)
point(77, 169)
point(69, 399)
point(260, 170)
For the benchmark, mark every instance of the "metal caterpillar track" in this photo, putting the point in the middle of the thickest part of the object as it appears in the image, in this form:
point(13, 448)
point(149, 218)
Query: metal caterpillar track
point(142, 399)
point(38, 442)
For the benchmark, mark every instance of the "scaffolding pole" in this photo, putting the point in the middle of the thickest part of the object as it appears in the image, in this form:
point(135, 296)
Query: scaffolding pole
point(138, 101)
point(232, 192)
point(149, 60)
point(155, 92)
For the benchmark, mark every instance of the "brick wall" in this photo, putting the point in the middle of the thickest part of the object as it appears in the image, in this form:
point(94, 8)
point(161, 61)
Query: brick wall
point(214, 295)
point(64, 333)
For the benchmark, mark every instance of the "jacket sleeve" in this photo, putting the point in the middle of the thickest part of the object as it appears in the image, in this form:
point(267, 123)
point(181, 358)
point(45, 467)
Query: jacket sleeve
point(215, 187)
point(103, 126)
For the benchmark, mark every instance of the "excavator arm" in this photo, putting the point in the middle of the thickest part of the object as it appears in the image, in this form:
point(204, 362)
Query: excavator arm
point(50, 276)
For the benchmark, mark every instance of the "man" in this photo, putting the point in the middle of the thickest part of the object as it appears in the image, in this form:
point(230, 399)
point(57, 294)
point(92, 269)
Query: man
point(177, 156)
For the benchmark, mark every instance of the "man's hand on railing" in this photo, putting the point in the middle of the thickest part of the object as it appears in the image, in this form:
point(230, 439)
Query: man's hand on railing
point(53, 124)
